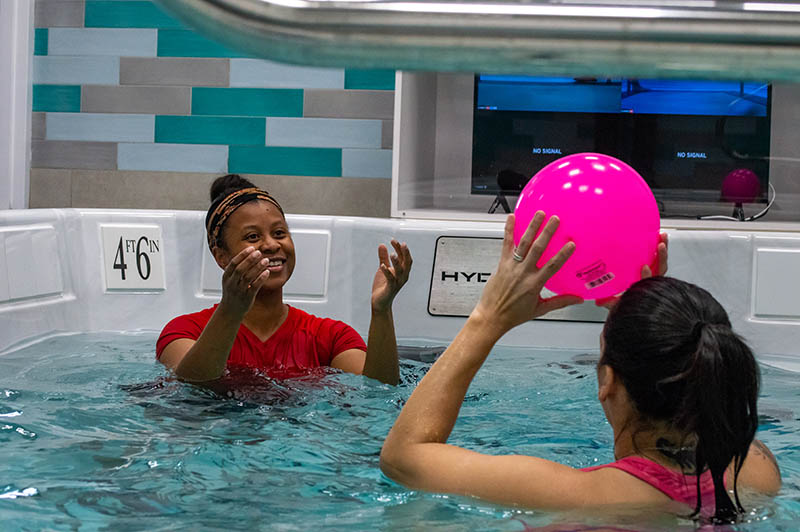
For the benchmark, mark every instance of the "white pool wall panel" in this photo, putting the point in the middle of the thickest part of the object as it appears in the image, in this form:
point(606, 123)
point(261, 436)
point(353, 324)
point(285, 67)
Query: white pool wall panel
point(53, 280)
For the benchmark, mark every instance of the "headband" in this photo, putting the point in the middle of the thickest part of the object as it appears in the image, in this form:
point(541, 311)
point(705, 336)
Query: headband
point(221, 209)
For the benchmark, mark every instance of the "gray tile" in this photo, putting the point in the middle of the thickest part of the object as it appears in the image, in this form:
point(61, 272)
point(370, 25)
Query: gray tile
point(172, 157)
point(324, 132)
point(71, 154)
point(387, 134)
point(118, 42)
point(174, 71)
point(58, 13)
point(339, 196)
point(149, 100)
point(66, 70)
point(101, 127)
point(263, 73)
point(50, 189)
point(348, 104)
point(366, 163)
point(140, 190)
point(38, 126)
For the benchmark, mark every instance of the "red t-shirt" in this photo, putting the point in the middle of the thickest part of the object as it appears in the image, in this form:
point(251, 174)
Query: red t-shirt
point(303, 341)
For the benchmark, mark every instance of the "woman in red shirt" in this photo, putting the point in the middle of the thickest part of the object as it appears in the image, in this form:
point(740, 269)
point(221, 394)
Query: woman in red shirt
point(252, 326)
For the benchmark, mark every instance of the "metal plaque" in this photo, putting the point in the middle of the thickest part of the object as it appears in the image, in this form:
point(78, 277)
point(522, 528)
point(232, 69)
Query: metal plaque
point(461, 268)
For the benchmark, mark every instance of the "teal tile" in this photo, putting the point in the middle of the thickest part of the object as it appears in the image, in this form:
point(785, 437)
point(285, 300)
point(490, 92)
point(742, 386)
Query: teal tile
point(186, 43)
point(285, 161)
point(210, 130)
point(378, 79)
point(131, 14)
point(40, 41)
point(247, 102)
point(57, 98)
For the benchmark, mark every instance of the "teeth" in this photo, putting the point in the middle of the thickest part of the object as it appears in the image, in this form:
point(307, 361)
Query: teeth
point(275, 263)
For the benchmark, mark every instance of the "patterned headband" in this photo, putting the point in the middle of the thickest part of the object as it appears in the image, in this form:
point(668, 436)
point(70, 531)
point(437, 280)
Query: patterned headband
point(220, 210)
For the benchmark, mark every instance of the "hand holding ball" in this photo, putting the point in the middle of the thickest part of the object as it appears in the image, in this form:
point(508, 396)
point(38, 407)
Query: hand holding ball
point(607, 209)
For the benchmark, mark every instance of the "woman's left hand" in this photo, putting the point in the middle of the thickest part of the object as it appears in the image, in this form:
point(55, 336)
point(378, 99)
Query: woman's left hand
point(392, 274)
point(513, 294)
point(658, 268)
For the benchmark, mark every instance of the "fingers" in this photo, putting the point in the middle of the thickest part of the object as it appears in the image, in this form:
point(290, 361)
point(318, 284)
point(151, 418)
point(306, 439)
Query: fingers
point(527, 238)
point(259, 281)
point(660, 264)
point(400, 260)
point(541, 242)
point(607, 302)
point(662, 254)
point(557, 261)
point(383, 255)
point(388, 273)
point(508, 236)
point(402, 253)
point(247, 267)
point(235, 261)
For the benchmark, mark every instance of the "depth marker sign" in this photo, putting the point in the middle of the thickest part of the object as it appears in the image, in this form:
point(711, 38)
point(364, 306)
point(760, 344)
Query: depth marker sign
point(133, 257)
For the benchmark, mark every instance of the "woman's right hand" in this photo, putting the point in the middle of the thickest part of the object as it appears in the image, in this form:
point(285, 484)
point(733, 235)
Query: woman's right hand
point(242, 279)
point(513, 294)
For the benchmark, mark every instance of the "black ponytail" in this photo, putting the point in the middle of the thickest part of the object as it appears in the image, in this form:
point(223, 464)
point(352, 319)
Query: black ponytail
point(672, 344)
point(715, 408)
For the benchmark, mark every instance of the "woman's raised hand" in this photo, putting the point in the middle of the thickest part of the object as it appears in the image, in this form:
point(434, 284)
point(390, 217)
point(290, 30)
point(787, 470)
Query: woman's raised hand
point(242, 279)
point(513, 294)
point(391, 276)
point(659, 268)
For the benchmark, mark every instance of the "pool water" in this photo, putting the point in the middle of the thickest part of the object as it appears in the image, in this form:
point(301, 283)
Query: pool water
point(95, 435)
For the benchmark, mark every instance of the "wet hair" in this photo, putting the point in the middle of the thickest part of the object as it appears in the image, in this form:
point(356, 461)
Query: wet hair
point(228, 193)
point(672, 346)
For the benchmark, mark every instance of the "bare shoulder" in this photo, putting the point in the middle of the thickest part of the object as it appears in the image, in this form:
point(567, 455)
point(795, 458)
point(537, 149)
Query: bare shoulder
point(760, 470)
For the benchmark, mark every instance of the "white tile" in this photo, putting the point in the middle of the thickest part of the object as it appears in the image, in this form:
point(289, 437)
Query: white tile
point(173, 157)
point(777, 292)
point(20, 257)
point(100, 127)
point(210, 275)
point(310, 276)
point(366, 163)
point(97, 70)
point(47, 270)
point(102, 41)
point(324, 132)
point(263, 73)
point(3, 269)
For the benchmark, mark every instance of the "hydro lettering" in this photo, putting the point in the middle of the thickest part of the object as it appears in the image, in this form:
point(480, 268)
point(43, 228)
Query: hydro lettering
point(468, 277)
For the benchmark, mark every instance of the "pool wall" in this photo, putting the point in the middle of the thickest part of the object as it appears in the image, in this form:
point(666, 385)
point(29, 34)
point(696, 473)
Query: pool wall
point(54, 278)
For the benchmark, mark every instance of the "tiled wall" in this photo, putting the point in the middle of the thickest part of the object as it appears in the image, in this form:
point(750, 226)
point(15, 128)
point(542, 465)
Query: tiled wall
point(124, 92)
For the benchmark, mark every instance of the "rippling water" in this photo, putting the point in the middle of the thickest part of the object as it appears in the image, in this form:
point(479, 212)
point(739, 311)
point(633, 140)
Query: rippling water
point(95, 435)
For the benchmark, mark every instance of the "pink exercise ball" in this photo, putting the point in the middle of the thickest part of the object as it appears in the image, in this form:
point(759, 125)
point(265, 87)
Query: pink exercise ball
point(607, 209)
point(741, 186)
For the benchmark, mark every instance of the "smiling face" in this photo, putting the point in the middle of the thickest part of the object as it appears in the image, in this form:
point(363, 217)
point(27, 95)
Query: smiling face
point(261, 225)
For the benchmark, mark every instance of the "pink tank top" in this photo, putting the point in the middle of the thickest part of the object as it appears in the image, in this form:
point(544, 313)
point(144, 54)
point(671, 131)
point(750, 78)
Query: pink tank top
point(674, 484)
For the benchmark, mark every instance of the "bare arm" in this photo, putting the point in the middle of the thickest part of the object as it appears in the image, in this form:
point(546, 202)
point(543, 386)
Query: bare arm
point(205, 359)
point(380, 360)
point(760, 470)
point(415, 452)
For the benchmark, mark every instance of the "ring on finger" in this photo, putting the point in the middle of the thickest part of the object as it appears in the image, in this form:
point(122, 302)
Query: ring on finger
point(517, 257)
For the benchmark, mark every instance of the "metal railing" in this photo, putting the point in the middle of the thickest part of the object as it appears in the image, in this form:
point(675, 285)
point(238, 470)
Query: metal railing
point(693, 38)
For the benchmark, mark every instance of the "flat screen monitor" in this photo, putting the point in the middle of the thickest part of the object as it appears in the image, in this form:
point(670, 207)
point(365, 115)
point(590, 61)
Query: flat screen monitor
point(684, 137)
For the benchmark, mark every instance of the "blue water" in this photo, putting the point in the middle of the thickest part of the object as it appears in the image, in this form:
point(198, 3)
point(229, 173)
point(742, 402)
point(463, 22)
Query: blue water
point(95, 436)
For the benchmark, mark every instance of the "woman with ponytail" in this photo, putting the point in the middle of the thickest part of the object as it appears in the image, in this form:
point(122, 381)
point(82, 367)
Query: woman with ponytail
point(677, 385)
point(251, 326)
